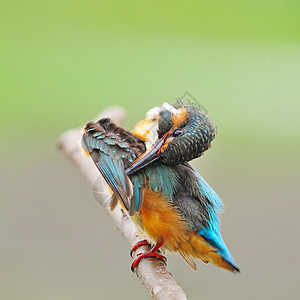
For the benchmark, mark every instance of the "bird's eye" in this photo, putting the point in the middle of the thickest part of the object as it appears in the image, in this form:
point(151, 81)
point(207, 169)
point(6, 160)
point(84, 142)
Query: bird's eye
point(177, 132)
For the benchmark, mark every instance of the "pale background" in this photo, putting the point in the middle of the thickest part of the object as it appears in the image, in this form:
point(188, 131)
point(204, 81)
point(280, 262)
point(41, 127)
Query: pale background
point(61, 62)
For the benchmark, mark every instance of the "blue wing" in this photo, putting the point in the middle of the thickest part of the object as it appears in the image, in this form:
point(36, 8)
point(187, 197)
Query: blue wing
point(113, 149)
point(210, 230)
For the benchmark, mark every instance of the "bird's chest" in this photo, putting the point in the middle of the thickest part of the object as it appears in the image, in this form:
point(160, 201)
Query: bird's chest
point(159, 220)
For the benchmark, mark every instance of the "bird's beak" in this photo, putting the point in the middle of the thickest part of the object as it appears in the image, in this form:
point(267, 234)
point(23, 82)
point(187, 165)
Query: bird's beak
point(151, 155)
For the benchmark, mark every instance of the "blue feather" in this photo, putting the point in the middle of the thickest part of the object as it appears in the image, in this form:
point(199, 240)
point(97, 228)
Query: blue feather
point(138, 182)
point(212, 233)
point(163, 178)
point(213, 236)
point(136, 193)
point(209, 193)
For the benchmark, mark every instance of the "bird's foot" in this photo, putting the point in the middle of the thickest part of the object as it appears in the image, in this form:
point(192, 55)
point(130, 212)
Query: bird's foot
point(151, 253)
point(139, 244)
point(144, 255)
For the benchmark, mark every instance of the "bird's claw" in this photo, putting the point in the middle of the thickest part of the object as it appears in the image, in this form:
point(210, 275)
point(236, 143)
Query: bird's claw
point(137, 245)
point(140, 256)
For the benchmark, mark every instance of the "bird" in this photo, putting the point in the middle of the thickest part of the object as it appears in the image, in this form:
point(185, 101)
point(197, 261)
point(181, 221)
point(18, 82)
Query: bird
point(148, 172)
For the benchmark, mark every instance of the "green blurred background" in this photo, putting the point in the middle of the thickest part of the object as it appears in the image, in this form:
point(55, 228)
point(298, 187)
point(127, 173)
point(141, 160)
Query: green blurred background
point(62, 62)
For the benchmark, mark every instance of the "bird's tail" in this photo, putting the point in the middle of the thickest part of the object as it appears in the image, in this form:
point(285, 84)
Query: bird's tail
point(209, 251)
point(217, 259)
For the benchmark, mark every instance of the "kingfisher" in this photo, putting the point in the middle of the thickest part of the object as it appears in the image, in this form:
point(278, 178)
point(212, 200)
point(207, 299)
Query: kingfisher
point(148, 172)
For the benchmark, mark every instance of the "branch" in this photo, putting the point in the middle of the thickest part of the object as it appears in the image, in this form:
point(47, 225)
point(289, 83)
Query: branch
point(151, 271)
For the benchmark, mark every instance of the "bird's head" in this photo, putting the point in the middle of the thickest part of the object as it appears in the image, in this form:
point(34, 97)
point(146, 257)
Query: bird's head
point(175, 134)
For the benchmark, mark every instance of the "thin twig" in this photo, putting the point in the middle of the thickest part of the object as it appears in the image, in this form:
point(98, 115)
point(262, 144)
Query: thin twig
point(151, 271)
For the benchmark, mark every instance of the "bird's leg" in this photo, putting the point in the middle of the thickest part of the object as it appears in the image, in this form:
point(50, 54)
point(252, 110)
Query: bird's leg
point(151, 253)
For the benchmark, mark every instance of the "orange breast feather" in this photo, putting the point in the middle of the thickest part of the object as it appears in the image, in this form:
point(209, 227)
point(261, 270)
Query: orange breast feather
point(159, 220)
